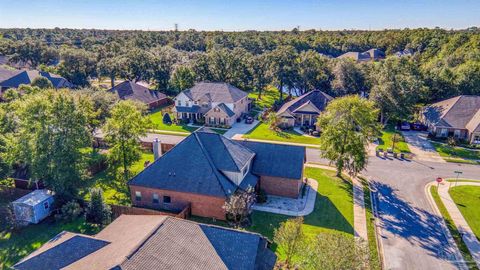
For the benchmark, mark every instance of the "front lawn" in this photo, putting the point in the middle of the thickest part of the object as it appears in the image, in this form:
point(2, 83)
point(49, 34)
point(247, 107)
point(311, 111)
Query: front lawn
point(156, 117)
point(467, 199)
point(268, 98)
point(457, 237)
point(451, 152)
point(263, 132)
point(16, 245)
point(386, 140)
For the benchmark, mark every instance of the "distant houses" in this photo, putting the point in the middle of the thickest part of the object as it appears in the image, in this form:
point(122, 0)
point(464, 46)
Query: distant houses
point(14, 78)
point(129, 90)
point(215, 104)
point(304, 110)
point(153, 242)
point(370, 55)
point(206, 168)
point(457, 117)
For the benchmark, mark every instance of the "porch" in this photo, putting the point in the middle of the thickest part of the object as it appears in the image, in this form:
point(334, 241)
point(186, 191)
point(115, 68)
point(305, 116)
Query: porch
point(306, 119)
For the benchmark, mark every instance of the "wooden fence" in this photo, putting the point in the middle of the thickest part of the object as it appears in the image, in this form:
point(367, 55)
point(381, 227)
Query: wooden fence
point(12, 193)
point(118, 210)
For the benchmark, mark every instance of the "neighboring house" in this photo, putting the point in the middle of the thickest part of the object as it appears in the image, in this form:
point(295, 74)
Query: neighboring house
point(13, 79)
point(134, 91)
point(304, 110)
point(33, 207)
point(370, 55)
point(153, 242)
point(457, 117)
point(404, 53)
point(215, 104)
point(206, 168)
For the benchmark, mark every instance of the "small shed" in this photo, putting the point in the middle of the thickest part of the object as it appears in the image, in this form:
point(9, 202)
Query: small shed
point(33, 207)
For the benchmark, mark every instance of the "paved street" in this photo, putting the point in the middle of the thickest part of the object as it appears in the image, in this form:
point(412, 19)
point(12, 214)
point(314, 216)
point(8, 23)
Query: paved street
point(410, 232)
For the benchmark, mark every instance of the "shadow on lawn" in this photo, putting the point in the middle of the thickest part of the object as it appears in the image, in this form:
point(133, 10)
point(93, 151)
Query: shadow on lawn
point(417, 226)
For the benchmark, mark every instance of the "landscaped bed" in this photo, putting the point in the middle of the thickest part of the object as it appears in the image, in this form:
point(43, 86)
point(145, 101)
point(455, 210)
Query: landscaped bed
point(457, 154)
point(333, 212)
point(467, 199)
point(385, 142)
point(263, 132)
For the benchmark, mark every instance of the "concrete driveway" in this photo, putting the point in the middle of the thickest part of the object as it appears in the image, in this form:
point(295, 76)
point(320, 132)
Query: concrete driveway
point(240, 128)
point(421, 147)
point(411, 233)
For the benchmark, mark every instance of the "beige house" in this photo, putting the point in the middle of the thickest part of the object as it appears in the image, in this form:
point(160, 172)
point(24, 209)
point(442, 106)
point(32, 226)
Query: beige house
point(215, 104)
point(457, 117)
point(304, 110)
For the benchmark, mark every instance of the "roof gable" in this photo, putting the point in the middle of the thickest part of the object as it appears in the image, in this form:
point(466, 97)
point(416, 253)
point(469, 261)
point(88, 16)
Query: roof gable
point(456, 112)
point(215, 92)
point(316, 98)
point(135, 91)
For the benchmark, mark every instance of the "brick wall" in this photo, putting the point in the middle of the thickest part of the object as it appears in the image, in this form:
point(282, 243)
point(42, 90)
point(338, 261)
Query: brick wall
point(201, 205)
point(278, 186)
point(158, 103)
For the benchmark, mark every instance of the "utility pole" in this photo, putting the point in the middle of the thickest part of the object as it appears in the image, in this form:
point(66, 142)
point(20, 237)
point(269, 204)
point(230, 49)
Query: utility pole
point(176, 27)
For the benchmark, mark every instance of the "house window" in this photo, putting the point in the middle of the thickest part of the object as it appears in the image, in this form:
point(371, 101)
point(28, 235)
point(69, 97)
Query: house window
point(45, 204)
point(188, 104)
point(167, 199)
point(179, 103)
point(444, 132)
point(456, 133)
point(138, 196)
point(155, 198)
point(212, 120)
point(476, 139)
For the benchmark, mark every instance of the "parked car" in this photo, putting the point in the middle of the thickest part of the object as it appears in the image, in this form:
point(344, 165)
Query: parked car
point(418, 126)
point(405, 126)
point(248, 120)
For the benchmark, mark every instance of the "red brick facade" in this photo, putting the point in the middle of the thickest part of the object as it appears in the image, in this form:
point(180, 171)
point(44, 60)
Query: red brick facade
point(278, 186)
point(158, 103)
point(202, 205)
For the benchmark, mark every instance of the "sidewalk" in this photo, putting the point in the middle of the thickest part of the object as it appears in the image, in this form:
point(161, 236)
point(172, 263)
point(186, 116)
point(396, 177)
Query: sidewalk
point(468, 236)
point(359, 213)
point(291, 207)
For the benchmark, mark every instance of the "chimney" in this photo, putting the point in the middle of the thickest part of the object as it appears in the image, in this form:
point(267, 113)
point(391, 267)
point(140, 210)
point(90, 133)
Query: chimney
point(157, 148)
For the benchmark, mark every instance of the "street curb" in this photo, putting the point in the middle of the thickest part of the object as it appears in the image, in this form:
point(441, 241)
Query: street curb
point(446, 232)
point(375, 223)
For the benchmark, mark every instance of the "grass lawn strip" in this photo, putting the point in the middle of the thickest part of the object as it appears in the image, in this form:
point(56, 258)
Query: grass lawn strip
point(466, 198)
point(374, 261)
point(263, 132)
point(453, 229)
point(386, 141)
point(456, 154)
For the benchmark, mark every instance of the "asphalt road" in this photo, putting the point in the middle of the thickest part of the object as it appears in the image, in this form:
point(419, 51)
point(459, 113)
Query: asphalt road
point(409, 228)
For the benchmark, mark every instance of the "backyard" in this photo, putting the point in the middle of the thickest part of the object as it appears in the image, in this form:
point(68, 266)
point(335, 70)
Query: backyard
point(456, 154)
point(156, 117)
point(268, 98)
point(467, 199)
point(263, 132)
point(386, 140)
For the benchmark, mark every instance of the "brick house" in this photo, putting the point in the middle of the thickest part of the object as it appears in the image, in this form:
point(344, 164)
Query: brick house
point(206, 168)
point(304, 110)
point(215, 104)
point(153, 242)
point(457, 117)
point(134, 91)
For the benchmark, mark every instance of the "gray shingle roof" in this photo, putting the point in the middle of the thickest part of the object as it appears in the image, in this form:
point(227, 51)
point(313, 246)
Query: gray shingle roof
point(461, 112)
point(315, 97)
point(372, 54)
point(27, 76)
point(63, 254)
point(226, 109)
point(215, 92)
point(166, 243)
point(277, 160)
point(135, 91)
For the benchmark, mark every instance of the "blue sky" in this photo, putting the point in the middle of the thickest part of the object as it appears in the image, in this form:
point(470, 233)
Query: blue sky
point(239, 15)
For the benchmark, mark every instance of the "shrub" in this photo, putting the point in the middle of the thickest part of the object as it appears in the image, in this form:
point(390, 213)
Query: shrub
point(42, 83)
point(261, 196)
point(452, 141)
point(69, 211)
point(98, 212)
point(166, 119)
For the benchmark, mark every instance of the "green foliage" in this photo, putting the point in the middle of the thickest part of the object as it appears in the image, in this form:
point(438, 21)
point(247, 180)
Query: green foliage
point(69, 211)
point(387, 137)
point(349, 78)
point(98, 212)
point(51, 131)
point(291, 237)
point(10, 94)
point(123, 130)
point(182, 78)
point(238, 207)
point(77, 66)
point(348, 124)
point(42, 83)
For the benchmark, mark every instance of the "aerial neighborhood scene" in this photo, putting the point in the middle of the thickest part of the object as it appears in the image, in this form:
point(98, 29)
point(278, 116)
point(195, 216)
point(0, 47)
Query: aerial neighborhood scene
point(243, 135)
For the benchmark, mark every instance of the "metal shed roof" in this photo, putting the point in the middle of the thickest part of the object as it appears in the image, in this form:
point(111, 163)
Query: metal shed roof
point(35, 197)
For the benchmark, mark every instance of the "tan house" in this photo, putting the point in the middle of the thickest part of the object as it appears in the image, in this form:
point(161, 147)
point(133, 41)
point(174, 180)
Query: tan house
point(304, 110)
point(215, 104)
point(457, 117)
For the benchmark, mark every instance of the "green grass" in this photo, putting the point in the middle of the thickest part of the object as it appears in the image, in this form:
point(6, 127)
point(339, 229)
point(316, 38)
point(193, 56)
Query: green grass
point(17, 244)
point(372, 240)
point(268, 97)
point(467, 199)
point(456, 154)
point(386, 140)
point(115, 190)
point(453, 229)
point(156, 117)
point(263, 132)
